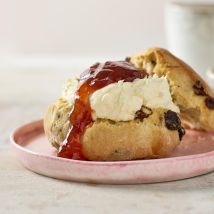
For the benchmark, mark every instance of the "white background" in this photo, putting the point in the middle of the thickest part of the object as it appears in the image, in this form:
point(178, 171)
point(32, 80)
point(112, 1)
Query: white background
point(68, 33)
point(80, 27)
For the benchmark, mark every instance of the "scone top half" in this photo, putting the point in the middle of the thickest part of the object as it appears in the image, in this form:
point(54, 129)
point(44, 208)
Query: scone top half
point(130, 117)
point(189, 91)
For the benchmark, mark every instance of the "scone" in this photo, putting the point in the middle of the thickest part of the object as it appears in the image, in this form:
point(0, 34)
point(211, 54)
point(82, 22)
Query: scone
point(114, 112)
point(190, 93)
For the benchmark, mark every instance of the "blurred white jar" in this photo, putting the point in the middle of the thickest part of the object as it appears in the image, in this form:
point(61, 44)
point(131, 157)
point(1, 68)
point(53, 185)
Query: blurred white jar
point(190, 33)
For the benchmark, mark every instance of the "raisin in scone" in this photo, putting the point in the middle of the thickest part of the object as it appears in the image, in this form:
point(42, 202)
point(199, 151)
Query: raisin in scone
point(190, 93)
point(114, 112)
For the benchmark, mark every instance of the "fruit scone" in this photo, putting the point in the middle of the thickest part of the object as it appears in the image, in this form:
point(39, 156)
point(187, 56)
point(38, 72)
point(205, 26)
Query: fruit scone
point(115, 111)
point(190, 93)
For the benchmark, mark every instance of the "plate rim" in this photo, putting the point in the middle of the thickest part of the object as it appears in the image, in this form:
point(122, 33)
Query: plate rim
point(99, 163)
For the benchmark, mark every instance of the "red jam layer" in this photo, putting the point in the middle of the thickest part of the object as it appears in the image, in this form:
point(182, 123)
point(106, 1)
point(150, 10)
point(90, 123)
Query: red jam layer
point(96, 77)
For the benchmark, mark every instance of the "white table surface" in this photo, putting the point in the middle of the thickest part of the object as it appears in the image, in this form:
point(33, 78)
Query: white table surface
point(24, 97)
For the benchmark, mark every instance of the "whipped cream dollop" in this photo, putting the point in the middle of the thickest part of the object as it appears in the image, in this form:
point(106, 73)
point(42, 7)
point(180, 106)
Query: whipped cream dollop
point(120, 101)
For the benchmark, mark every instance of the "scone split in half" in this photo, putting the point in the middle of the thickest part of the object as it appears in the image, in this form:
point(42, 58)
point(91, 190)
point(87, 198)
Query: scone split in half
point(114, 112)
point(190, 93)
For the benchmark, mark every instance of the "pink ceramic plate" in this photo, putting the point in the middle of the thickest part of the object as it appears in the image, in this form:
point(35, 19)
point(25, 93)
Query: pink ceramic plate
point(194, 156)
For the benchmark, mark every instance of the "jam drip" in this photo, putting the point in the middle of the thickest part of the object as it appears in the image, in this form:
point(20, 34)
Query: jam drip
point(96, 77)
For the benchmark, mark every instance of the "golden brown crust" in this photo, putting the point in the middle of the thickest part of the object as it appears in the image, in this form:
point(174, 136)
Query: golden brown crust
point(106, 140)
point(56, 123)
point(181, 77)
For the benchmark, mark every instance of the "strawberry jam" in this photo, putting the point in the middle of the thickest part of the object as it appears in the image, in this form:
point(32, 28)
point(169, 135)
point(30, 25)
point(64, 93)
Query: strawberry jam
point(96, 77)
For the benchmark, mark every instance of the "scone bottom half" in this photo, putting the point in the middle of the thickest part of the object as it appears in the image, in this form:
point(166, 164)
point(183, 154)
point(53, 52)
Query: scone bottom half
point(77, 125)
